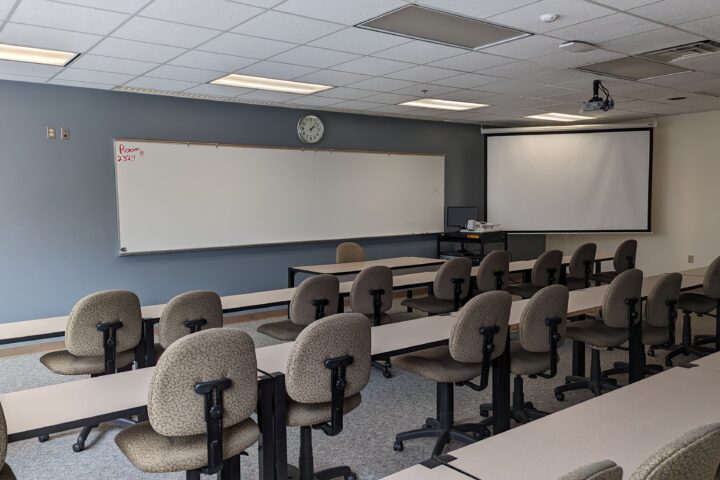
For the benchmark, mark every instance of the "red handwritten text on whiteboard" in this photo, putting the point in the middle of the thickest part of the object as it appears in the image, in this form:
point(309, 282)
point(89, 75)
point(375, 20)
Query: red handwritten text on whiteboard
point(129, 154)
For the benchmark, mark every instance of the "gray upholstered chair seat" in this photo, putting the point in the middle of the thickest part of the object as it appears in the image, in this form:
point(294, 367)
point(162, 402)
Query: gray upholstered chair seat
point(655, 335)
point(65, 363)
point(6, 473)
point(575, 283)
point(438, 365)
point(604, 277)
point(524, 362)
point(430, 304)
point(603, 470)
point(281, 330)
point(152, 452)
point(596, 333)
point(304, 414)
point(525, 290)
point(696, 302)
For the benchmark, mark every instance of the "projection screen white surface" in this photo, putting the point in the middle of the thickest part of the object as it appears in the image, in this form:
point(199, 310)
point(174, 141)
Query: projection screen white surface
point(179, 196)
point(569, 182)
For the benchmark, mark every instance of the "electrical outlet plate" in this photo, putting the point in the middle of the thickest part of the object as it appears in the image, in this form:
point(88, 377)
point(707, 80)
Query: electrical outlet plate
point(51, 133)
point(64, 133)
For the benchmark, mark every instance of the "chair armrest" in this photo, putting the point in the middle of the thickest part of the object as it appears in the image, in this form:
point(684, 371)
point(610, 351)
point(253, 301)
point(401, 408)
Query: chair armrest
point(195, 325)
point(338, 382)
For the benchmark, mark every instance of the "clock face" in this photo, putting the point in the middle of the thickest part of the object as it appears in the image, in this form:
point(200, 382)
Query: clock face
point(310, 129)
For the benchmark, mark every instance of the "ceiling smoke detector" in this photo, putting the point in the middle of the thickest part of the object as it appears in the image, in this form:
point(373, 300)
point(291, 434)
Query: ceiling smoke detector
point(577, 46)
point(549, 17)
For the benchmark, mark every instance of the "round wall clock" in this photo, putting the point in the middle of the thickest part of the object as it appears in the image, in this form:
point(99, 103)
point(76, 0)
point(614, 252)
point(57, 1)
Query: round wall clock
point(310, 128)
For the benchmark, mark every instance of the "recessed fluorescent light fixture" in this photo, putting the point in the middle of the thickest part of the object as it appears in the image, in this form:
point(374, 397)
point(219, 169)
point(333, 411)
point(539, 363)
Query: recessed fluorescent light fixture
point(442, 104)
point(559, 117)
point(436, 26)
point(16, 53)
point(261, 83)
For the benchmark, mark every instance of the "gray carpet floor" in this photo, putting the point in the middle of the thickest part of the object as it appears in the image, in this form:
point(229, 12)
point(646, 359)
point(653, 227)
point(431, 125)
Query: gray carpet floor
point(389, 406)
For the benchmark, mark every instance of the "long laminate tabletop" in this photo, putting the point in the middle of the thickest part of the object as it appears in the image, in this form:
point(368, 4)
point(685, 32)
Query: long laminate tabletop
point(356, 267)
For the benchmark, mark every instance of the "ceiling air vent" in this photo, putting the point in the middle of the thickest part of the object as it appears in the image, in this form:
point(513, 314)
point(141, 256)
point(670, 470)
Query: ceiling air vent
point(632, 68)
point(683, 52)
point(432, 25)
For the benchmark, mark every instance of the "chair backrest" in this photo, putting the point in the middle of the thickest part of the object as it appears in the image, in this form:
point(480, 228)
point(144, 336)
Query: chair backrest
point(307, 379)
point(550, 260)
point(368, 280)
point(174, 409)
point(549, 303)
point(625, 253)
point(584, 253)
point(696, 455)
point(189, 306)
point(443, 286)
point(304, 303)
point(3, 438)
point(627, 285)
point(711, 282)
point(494, 263)
point(485, 310)
point(349, 252)
point(666, 290)
point(83, 339)
point(603, 470)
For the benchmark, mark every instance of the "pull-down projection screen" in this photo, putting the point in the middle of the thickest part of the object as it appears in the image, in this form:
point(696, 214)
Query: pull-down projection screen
point(570, 182)
point(184, 196)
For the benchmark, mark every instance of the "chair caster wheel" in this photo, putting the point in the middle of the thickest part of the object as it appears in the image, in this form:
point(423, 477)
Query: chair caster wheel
point(351, 476)
point(43, 438)
point(78, 447)
point(398, 446)
point(387, 374)
point(560, 396)
point(668, 363)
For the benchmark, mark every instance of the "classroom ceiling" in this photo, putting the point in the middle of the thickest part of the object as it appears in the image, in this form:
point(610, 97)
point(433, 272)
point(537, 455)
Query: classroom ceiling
point(178, 46)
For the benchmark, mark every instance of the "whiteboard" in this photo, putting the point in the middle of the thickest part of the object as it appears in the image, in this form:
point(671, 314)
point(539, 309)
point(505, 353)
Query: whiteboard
point(570, 182)
point(185, 196)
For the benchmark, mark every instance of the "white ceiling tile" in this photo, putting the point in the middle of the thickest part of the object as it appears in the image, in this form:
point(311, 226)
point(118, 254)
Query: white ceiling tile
point(674, 12)
point(357, 105)
point(74, 83)
point(67, 17)
point(471, 62)
point(260, 3)
point(420, 52)
point(345, 93)
point(358, 40)
point(42, 37)
point(218, 90)
point(707, 27)
point(173, 72)
point(625, 4)
point(332, 77)
point(245, 46)
point(564, 59)
point(382, 84)
point(5, 6)
point(606, 28)
point(422, 74)
point(705, 63)
point(148, 52)
point(463, 96)
point(559, 76)
point(467, 80)
point(217, 14)
point(160, 84)
point(392, 109)
point(212, 61)
point(473, 8)
point(283, 71)
point(113, 65)
point(313, 101)
point(525, 89)
point(286, 27)
point(390, 98)
point(268, 96)
point(372, 66)
point(570, 12)
point(424, 90)
point(314, 57)
point(348, 12)
point(682, 79)
point(28, 69)
point(519, 69)
point(92, 76)
point(22, 78)
point(647, 41)
point(526, 48)
point(124, 6)
point(164, 33)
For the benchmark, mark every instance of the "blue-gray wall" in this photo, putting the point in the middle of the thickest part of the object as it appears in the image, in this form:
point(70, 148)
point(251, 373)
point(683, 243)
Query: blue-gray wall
point(57, 198)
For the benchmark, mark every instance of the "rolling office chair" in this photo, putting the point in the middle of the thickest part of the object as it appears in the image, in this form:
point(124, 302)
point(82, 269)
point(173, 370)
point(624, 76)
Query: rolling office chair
point(658, 329)
point(580, 267)
point(545, 271)
point(188, 313)
point(535, 351)
point(200, 399)
point(102, 332)
point(694, 455)
point(314, 298)
point(619, 314)
point(493, 271)
point(328, 366)
point(450, 287)
point(6, 472)
point(477, 338)
point(348, 252)
point(624, 259)
point(602, 470)
point(699, 304)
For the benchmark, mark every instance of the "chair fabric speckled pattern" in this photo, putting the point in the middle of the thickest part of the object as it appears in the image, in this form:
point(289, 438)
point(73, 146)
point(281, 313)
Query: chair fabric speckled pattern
point(656, 328)
point(540, 275)
point(694, 455)
point(602, 470)
point(6, 472)
point(493, 262)
point(576, 268)
point(188, 306)
point(623, 260)
point(372, 278)
point(174, 438)
point(348, 252)
point(442, 299)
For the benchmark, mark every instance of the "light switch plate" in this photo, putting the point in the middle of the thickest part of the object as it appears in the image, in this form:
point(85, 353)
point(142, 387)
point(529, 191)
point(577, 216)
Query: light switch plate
point(51, 133)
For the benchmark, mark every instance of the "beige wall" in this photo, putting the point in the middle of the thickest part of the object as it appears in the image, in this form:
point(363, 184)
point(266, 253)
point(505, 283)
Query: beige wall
point(685, 198)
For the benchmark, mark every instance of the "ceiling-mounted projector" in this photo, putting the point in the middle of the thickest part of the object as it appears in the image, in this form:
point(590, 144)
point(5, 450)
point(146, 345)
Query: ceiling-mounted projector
point(597, 103)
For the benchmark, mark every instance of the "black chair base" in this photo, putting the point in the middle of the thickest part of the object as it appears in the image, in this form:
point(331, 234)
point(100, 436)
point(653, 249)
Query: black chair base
point(596, 383)
point(385, 367)
point(306, 470)
point(687, 347)
point(328, 474)
point(79, 445)
point(230, 470)
point(443, 427)
point(620, 368)
point(700, 340)
point(521, 411)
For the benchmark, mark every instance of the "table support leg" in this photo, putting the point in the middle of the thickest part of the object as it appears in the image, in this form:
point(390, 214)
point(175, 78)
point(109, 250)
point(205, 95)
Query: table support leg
point(148, 344)
point(578, 359)
point(409, 294)
point(636, 354)
point(272, 449)
point(501, 390)
point(291, 277)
